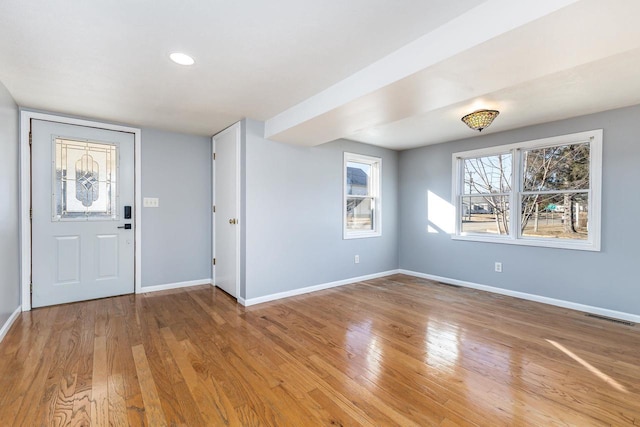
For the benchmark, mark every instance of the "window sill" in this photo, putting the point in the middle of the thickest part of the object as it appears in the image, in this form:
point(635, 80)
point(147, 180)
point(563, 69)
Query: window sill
point(541, 243)
point(364, 235)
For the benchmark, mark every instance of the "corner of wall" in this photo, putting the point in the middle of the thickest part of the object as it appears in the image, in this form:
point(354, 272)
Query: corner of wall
point(4, 329)
point(10, 232)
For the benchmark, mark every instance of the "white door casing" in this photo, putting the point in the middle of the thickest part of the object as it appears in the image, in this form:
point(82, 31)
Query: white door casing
point(226, 196)
point(77, 256)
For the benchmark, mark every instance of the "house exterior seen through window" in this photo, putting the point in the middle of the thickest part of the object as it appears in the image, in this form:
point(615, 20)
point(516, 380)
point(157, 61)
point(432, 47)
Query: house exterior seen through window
point(362, 201)
point(539, 193)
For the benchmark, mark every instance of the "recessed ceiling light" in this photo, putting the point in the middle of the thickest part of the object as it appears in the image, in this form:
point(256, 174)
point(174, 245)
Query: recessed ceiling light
point(181, 58)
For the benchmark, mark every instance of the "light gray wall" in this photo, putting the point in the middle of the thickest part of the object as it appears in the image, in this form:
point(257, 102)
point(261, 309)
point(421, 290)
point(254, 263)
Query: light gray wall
point(176, 237)
point(293, 202)
point(9, 179)
point(606, 279)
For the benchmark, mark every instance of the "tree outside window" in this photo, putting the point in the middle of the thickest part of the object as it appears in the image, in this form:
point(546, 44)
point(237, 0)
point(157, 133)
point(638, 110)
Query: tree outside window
point(555, 182)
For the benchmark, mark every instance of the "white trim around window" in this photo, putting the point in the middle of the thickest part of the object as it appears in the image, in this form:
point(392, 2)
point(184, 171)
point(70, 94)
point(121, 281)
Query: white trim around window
point(510, 188)
point(362, 196)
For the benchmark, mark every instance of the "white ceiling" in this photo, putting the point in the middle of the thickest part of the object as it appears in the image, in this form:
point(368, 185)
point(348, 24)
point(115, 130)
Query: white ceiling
point(394, 73)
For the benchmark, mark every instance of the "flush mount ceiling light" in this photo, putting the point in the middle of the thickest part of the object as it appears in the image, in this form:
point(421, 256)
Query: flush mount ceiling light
point(181, 58)
point(480, 119)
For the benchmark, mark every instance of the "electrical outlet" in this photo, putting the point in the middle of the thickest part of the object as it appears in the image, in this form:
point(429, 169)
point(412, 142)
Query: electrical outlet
point(356, 259)
point(498, 267)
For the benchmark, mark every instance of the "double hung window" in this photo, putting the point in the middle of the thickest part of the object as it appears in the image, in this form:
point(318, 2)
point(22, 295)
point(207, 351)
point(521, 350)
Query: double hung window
point(362, 202)
point(540, 193)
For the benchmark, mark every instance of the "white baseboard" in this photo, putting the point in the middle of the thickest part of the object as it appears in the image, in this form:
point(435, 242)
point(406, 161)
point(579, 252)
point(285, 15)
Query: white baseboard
point(7, 325)
point(308, 289)
point(531, 297)
point(176, 285)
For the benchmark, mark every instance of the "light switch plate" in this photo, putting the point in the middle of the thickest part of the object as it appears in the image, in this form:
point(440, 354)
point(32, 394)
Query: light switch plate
point(150, 202)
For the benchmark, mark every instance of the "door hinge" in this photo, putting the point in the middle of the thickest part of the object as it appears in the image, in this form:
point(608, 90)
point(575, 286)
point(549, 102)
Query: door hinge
point(214, 208)
point(31, 287)
point(214, 261)
point(30, 138)
point(214, 156)
point(30, 213)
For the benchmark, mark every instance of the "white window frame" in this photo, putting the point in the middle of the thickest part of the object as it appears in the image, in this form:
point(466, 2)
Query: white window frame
point(594, 137)
point(376, 194)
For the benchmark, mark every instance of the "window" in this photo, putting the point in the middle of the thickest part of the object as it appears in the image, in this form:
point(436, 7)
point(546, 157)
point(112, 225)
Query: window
point(85, 184)
point(362, 216)
point(539, 193)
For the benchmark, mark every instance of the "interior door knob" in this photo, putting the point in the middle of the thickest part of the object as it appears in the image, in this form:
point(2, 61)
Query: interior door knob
point(233, 221)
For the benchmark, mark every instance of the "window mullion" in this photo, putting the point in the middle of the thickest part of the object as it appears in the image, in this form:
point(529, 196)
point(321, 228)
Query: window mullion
point(456, 193)
point(514, 197)
point(460, 191)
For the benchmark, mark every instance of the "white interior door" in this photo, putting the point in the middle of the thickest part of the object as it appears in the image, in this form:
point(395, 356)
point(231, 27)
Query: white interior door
point(82, 241)
point(226, 146)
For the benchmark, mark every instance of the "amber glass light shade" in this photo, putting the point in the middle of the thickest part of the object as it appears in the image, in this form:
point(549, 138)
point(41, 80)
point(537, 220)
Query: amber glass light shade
point(480, 119)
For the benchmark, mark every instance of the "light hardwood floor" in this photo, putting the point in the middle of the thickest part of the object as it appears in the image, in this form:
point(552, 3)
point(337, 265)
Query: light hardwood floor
point(393, 351)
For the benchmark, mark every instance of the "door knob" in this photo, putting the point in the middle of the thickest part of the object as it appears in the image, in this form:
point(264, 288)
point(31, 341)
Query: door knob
point(233, 221)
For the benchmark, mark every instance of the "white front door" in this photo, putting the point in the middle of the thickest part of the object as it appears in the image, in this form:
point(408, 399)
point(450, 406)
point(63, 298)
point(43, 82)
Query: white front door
point(226, 145)
point(82, 189)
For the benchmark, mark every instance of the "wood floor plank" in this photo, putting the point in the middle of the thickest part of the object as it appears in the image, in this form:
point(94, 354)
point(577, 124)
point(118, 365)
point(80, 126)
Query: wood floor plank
point(152, 406)
point(391, 351)
point(100, 383)
point(118, 413)
point(84, 356)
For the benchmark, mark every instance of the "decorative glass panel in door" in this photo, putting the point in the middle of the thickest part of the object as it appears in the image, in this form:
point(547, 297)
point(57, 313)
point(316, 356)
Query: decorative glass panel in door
point(85, 181)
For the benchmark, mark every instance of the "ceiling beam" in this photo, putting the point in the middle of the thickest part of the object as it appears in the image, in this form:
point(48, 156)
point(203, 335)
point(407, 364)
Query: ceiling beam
point(345, 103)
